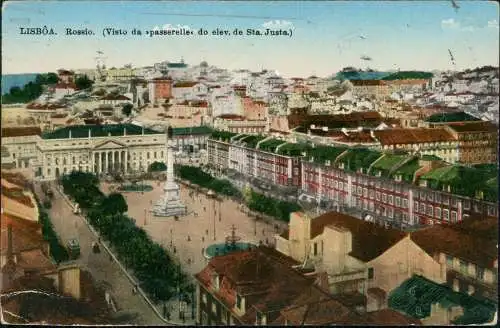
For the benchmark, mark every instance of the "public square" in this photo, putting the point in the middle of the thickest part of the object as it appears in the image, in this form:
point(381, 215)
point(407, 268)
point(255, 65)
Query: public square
point(193, 233)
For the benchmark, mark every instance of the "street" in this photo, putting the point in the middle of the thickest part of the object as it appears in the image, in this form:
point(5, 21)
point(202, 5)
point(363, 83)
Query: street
point(68, 225)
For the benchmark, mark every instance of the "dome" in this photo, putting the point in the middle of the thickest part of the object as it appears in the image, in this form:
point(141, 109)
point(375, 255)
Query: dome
point(203, 64)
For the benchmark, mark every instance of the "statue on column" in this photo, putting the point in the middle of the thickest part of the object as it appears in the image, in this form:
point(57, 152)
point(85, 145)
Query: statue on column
point(170, 204)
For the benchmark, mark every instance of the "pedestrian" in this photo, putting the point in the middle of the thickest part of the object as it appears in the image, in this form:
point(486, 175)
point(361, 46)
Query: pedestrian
point(189, 238)
point(202, 250)
point(203, 238)
point(206, 232)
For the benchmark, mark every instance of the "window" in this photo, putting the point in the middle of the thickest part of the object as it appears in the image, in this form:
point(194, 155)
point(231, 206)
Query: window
point(360, 191)
point(454, 202)
point(238, 301)
point(315, 250)
point(377, 195)
point(463, 267)
point(384, 198)
point(453, 216)
point(214, 308)
point(438, 197)
point(449, 261)
point(437, 212)
point(491, 210)
point(204, 297)
point(467, 204)
point(391, 212)
point(372, 193)
point(341, 185)
point(258, 318)
point(416, 207)
point(430, 211)
point(446, 215)
point(398, 201)
point(446, 200)
point(405, 203)
point(422, 195)
point(479, 273)
point(390, 199)
point(422, 208)
point(365, 192)
point(370, 273)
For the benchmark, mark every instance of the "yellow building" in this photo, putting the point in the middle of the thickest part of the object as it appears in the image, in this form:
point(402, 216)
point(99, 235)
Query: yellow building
point(359, 257)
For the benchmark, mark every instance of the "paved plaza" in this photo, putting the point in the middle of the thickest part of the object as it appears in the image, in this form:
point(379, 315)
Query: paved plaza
point(191, 234)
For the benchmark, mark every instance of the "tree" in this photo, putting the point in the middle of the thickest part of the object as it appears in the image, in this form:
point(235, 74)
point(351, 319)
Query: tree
point(157, 167)
point(83, 82)
point(114, 203)
point(127, 109)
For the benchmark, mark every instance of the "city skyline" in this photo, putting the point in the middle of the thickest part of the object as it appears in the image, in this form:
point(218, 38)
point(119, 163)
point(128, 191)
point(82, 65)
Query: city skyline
point(327, 36)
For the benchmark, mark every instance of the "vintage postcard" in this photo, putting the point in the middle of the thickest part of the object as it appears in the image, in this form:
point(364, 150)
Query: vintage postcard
point(292, 163)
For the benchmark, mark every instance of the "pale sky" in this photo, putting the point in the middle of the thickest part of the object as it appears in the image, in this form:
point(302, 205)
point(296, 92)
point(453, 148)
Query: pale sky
point(326, 36)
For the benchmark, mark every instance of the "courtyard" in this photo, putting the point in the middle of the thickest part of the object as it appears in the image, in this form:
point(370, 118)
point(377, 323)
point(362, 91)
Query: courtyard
point(208, 221)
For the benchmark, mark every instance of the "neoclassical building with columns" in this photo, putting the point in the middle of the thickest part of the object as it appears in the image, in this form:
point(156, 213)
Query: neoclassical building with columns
point(100, 149)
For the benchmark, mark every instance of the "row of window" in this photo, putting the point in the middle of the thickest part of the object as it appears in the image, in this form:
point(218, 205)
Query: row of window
point(464, 268)
point(435, 211)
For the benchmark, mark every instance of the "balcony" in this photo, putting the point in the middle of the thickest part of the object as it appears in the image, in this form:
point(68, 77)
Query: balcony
point(347, 276)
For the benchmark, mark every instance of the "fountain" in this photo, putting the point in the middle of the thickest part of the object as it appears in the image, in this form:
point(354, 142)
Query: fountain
point(232, 244)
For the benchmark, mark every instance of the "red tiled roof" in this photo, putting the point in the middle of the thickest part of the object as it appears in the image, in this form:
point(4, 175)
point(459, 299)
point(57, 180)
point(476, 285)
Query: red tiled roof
point(478, 126)
point(262, 275)
point(16, 194)
point(185, 84)
point(368, 239)
point(21, 132)
point(22, 239)
point(115, 97)
point(19, 223)
point(295, 120)
point(231, 117)
point(461, 244)
point(407, 81)
point(34, 260)
point(412, 136)
point(357, 137)
point(357, 83)
point(315, 307)
point(390, 317)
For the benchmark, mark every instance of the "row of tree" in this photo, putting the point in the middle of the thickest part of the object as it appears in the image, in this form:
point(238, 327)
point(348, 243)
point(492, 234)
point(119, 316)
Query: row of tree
point(58, 252)
point(160, 276)
point(270, 206)
point(205, 180)
point(254, 201)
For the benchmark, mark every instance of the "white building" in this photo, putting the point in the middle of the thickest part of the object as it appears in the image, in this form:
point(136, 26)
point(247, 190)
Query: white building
point(100, 149)
point(20, 143)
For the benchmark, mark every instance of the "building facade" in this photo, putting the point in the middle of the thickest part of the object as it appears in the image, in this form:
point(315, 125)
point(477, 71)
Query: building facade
point(20, 143)
point(477, 142)
point(101, 150)
point(160, 89)
point(357, 256)
point(398, 189)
